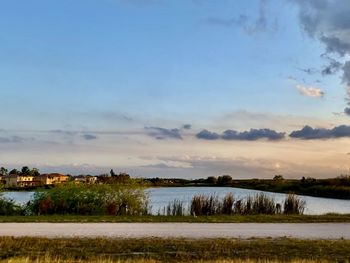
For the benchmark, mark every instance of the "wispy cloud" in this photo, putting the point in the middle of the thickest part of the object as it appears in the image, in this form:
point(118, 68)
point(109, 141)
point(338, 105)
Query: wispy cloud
point(89, 137)
point(251, 26)
point(163, 133)
point(313, 92)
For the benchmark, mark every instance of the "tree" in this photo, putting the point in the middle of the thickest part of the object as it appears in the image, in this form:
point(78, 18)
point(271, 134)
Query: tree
point(14, 171)
point(224, 180)
point(3, 171)
point(211, 180)
point(112, 173)
point(278, 177)
point(35, 172)
point(25, 170)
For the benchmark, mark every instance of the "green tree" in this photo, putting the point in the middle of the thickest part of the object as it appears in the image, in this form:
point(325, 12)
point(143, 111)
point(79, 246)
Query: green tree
point(224, 180)
point(278, 177)
point(25, 170)
point(35, 172)
point(3, 171)
point(14, 171)
point(212, 180)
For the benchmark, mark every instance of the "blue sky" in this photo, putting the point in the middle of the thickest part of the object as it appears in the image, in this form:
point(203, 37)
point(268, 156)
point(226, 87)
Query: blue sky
point(92, 85)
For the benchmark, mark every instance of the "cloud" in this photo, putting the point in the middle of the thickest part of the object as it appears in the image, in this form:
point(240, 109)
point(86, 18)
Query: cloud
point(187, 126)
point(347, 111)
point(309, 71)
point(251, 135)
point(310, 91)
point(207, 135)
point(12, 139)
point(64, 132)
point(89, 137)
point(309, 133)
point(239, 21)
point(163, 133)
point(328, 21)
point(332, 68)
point(249, 25)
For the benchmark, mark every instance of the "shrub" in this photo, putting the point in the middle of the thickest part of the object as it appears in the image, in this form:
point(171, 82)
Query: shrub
point(252, 205)
point(85, 199)
point(9, 207)
point(175, 208)
point(294, 205)
point(227, 204)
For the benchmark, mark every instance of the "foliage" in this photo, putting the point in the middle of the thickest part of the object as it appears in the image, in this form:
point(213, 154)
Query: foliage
point(8, 207)
point(174, 250)
point(252, 205)
point(294, 205)
point(175, 208)
point(83, 199)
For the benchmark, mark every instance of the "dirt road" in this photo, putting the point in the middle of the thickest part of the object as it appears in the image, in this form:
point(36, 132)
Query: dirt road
point(176, 230)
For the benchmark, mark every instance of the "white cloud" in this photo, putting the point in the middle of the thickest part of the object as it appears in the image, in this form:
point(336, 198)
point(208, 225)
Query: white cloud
point(310, 91)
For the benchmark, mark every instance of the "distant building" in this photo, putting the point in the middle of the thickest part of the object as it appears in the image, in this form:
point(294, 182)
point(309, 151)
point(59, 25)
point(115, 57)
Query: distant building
point(15, 180)
point(2, 179)
point(89, 179)
point(54, 178)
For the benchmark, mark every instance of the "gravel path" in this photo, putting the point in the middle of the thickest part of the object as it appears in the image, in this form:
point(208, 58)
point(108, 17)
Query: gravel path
point(176, 230)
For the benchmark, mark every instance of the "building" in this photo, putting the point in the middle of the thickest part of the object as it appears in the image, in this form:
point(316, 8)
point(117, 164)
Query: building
point(15, 180)
point(89, 179)
point(54, 178)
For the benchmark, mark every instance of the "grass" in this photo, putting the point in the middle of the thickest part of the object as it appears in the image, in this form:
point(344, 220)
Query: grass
point(173, 250)
point(190, 219)
point(55, 260)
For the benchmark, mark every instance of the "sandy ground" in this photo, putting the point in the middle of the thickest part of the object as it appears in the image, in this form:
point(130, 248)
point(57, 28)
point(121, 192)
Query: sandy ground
point(176, 230)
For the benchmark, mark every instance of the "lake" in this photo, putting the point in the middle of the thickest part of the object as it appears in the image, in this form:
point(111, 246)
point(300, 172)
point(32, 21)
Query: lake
point(160, 197)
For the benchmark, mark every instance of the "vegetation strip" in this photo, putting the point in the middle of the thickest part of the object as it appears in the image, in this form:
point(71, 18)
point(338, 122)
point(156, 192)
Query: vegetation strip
point(189, 219)
point(174, 250)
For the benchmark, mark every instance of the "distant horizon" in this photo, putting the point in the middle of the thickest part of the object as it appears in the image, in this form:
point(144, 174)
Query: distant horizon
point(107, 172)
point(177, 89)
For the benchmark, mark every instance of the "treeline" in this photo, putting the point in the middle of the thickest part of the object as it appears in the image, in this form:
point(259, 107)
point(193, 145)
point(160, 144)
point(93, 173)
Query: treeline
point(331, 188)
point(338, 187)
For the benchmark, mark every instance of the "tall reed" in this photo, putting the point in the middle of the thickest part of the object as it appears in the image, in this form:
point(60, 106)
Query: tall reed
point(294, 205)
point(260, 203)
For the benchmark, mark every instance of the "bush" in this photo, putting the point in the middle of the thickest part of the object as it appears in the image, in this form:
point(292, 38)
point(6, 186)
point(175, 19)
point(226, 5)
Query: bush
point(175, 208)
point(252, 205)
point(82, 199)
point(294, 205)
point(9, 207)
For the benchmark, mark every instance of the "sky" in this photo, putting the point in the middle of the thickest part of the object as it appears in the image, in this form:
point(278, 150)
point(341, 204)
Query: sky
point(185, 88)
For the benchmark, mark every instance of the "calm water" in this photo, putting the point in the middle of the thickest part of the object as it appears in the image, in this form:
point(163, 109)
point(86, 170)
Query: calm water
point(160, 197)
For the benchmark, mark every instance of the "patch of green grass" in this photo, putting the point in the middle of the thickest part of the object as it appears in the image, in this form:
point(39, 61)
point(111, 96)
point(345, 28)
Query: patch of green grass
point(189, 219)
point(174, 250)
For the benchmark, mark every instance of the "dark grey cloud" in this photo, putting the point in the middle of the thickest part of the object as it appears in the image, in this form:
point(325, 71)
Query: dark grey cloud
point(251, 135)
point(187, 126)
point(207, 135)
point(332, 68)
point(309, 133)
point(347, 111)
point(328, 21)
point(89, 137)
point(12, 139)
point(163, 133)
